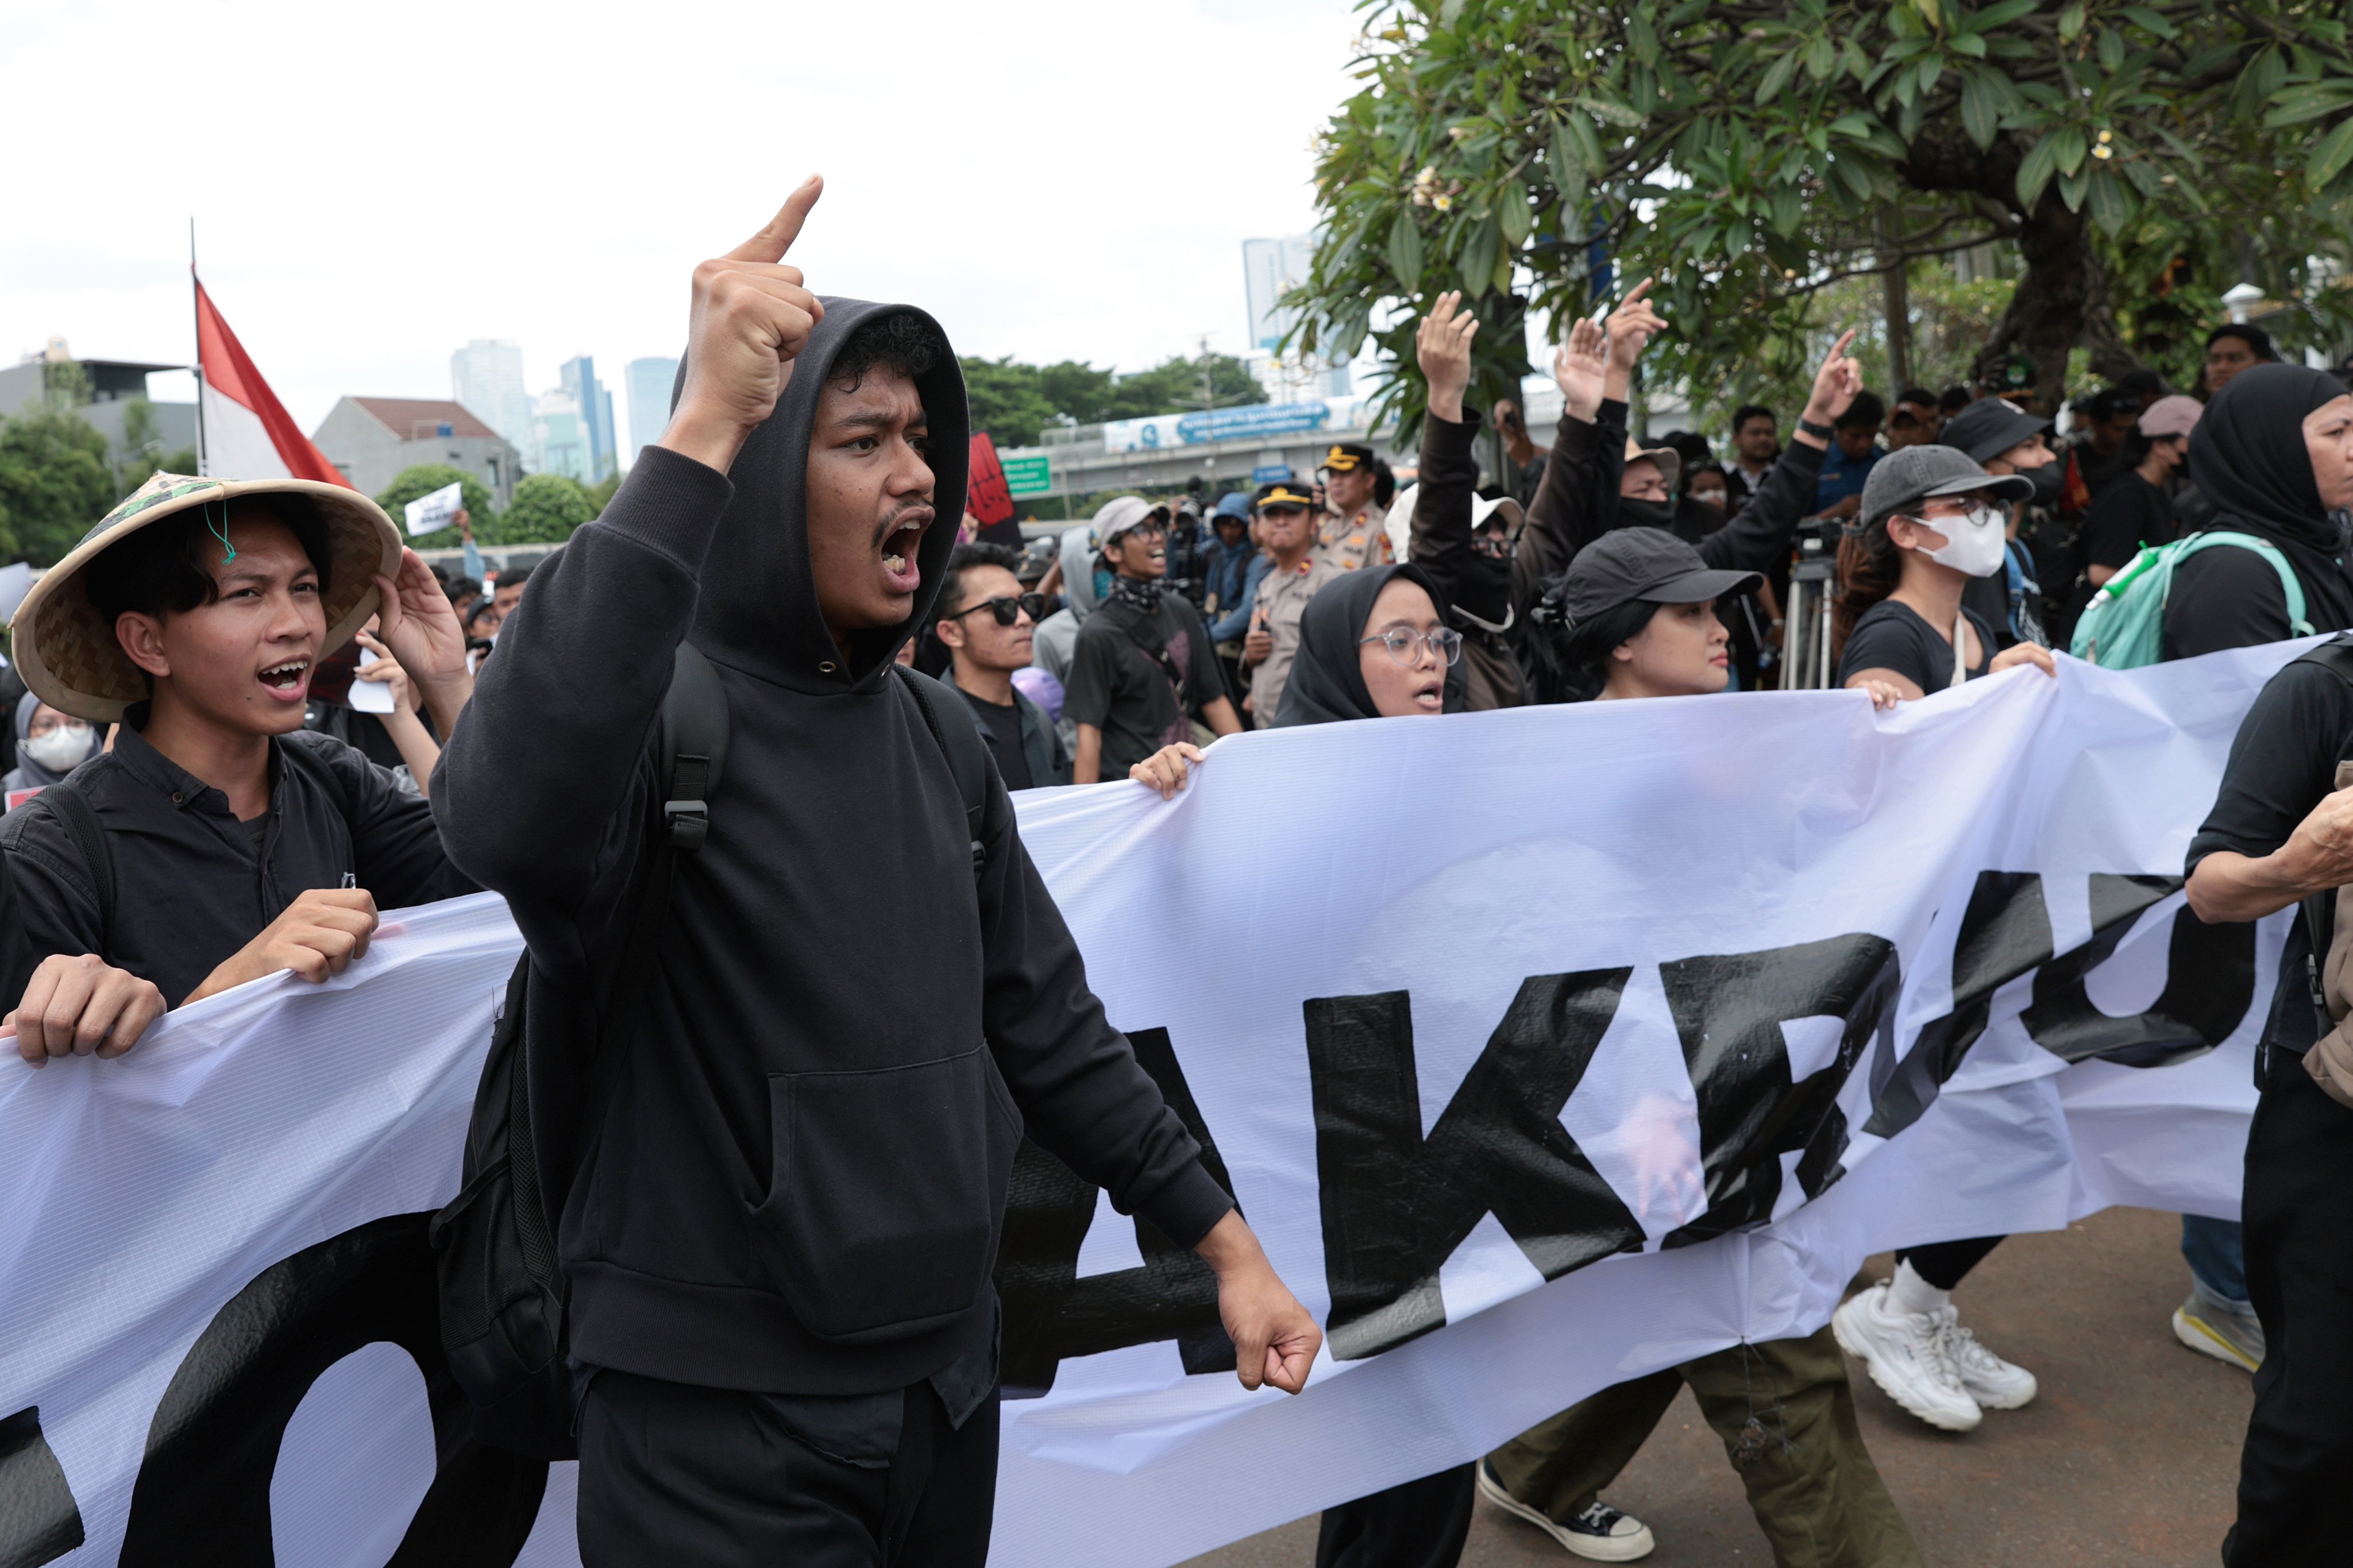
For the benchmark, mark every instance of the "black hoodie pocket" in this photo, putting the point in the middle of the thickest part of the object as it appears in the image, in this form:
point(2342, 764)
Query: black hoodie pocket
point(886, 1193)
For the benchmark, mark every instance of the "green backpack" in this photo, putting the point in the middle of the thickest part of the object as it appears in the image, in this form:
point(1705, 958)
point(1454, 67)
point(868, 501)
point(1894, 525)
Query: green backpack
point(2123, 626)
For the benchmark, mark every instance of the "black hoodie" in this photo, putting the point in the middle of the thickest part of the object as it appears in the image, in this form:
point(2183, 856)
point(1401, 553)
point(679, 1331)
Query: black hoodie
point(2248, 457)
point(798, 1183)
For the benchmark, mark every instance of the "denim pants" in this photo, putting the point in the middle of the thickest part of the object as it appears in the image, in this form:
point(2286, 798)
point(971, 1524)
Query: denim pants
point(2210, 1248)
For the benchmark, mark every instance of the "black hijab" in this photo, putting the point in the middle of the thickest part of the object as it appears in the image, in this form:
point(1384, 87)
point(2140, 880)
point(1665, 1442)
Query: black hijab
point(1327, 680)
point(2247, 456)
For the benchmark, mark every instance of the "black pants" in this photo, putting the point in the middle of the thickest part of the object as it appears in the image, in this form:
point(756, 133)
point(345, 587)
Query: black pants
point(2293, 1504)
point(1421, 1524)
point(678, 1477)
point(1944, 1263)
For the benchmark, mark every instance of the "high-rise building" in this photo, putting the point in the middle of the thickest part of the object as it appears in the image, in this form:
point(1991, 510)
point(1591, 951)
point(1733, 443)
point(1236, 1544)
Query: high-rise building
point(1269, 267)
point(648, 381)
point(595, 406)
point(486, 377)
point(560, 436)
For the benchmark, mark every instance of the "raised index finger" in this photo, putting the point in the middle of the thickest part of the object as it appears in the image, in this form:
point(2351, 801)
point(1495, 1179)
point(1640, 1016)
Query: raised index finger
point(771, 243)
point(1838, 350)
point(1635, 294)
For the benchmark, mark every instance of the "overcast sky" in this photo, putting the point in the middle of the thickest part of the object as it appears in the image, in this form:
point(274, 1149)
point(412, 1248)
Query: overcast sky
point(373, 185)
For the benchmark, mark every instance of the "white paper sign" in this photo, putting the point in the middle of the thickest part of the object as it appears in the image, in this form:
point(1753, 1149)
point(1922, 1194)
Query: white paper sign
point(371, 696)
point(437, 510)
point(14, 583)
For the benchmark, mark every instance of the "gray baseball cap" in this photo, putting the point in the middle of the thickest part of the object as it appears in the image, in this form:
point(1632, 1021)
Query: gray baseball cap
point(1910, 474)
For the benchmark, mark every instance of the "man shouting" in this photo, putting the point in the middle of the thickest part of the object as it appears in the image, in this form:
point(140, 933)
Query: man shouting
point(778, 1223)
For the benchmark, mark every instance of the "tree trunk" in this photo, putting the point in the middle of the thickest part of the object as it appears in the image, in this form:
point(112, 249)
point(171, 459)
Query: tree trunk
point(1897, 303)
point(2062, 300)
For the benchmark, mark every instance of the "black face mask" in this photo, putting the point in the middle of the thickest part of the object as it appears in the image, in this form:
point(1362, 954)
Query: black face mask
point(2048, 479)
point(1646, 513)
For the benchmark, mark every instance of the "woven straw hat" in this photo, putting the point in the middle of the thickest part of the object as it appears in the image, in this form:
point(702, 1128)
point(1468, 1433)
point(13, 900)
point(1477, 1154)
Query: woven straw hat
point(67, 651)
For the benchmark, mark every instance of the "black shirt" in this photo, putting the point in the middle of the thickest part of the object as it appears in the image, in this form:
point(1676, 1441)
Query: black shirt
point(1117, 685)
point(2228, 596)
point(1893, 636)
point(192, 883)
point(2283, 761)
point(1004, 719)
point(2129, 513)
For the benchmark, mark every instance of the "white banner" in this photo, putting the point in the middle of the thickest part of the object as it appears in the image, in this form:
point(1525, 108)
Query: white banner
point(1522, 1038)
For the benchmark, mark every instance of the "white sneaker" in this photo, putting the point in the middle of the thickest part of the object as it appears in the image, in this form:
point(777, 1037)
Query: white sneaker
point(1904, 1354)
point(1989, 1380)
point(1600, 1534)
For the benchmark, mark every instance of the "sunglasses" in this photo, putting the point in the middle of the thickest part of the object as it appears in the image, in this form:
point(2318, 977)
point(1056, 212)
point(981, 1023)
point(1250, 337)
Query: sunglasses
point(1404, 646)
point(1008, 610)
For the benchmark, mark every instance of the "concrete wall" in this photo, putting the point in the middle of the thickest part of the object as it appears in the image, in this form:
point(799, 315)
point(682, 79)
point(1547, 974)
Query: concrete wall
point(372, 456)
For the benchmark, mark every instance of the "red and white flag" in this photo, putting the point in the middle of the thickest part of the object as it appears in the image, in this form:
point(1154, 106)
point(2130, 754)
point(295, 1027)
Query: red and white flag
point(249, 434)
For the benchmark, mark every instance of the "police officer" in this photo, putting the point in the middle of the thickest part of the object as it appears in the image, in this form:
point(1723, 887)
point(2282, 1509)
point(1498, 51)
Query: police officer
point(1355, 530)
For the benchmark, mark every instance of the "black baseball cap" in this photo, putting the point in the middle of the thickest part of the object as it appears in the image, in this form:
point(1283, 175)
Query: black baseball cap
point(1990, 427)
point(1629, 564)
point(1347, 457)
point(1282, 492)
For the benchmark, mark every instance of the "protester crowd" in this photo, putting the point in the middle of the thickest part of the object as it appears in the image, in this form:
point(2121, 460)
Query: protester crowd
point(194, 801)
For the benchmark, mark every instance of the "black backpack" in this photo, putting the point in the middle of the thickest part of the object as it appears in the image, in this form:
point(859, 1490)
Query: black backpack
point(503, 1300)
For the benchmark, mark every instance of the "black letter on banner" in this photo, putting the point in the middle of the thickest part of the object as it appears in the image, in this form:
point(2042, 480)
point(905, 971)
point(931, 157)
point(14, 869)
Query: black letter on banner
point(38, 1520)
point(1050, 1313)
point(202, 1500)
point(2005, 931)
point(1728, 1012)
point(1395, 1207)
point(2209, 983)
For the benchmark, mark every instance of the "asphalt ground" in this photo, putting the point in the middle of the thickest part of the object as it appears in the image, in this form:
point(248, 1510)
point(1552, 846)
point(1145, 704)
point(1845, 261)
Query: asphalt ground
point(2129, 1456)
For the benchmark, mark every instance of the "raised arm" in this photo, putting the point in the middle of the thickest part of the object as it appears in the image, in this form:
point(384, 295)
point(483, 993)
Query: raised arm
point(536, 777)
point(1450, 469)
point(1757, 537)
point(1578, 502)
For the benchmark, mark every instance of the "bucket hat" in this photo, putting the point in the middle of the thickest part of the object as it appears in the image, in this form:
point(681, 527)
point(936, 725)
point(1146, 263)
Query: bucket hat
point(67, 651)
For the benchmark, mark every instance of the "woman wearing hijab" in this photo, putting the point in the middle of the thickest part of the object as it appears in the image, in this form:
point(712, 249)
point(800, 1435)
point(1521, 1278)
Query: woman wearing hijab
point(2272, 444)
point(49, 745)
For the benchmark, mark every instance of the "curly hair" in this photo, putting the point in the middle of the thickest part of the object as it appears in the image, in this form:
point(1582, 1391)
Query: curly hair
point(901, 342)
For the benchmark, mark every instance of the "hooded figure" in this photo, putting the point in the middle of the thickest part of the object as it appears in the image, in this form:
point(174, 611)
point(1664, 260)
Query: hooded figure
point(2248, 457)
point(1058, 634)
point(1327, 679)
point(30, 772)
point(794, 1185)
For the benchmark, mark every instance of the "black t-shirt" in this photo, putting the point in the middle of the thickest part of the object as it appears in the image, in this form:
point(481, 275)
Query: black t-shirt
point(2129, 514)
point(1893, 636)
point(1119, 686)
point(1004, 721)
point(2282, 764)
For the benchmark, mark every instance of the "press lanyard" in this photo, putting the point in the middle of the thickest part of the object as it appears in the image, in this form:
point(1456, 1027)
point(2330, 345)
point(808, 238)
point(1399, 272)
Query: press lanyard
point(1960, 660)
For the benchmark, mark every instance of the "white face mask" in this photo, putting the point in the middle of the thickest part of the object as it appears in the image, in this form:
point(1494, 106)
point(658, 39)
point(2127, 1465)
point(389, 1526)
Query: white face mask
point(1974, 540)
point(61, 748)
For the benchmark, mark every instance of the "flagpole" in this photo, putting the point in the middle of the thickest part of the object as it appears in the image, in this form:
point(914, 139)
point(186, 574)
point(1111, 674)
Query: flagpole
point(196, 312)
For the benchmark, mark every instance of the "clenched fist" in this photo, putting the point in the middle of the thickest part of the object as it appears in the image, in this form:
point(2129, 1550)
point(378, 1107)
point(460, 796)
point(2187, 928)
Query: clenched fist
point(750, 317)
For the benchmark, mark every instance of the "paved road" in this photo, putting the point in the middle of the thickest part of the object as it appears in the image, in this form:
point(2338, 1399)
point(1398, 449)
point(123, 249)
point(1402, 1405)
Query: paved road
point(2129, 1457)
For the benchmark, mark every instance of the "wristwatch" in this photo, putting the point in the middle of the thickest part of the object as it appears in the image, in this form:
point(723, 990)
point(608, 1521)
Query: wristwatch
point(1807, 428)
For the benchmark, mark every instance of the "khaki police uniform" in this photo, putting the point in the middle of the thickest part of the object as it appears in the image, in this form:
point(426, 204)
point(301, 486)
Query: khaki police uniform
point(1282, 599)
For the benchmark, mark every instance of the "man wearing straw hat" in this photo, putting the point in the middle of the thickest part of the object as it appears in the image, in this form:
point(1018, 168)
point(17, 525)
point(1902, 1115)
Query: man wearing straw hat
point(214, 843)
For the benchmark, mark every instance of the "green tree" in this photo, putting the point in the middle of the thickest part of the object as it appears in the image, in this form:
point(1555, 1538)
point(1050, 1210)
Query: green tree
point(423, 479)
point(1015, 402)
point(55, 484)
point(1753, 153)
point(546, 508)
point(1007, 400)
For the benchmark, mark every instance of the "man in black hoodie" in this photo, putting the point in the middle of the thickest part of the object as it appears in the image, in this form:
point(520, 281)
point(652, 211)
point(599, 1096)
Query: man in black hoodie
point(778, 1226)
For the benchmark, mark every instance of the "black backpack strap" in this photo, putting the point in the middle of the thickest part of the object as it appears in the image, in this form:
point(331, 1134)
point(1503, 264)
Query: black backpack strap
point(2334, 655)
point(961, 744)
point(72, 809)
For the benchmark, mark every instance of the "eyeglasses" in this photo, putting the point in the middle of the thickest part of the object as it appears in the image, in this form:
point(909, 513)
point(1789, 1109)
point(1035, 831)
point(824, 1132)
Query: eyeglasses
point(1404, 646)
point(1006, 610)
point(1495, 548)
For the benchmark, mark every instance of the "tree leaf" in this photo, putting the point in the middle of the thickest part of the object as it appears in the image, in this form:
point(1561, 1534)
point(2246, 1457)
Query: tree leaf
point(1588, 144)
point(1978, 117)
point(1513, 209)
point(1968, 44)
point(2000, 15)
point(1821, 56)
point(2310, 101)
point(2071, 21)
point(2068, 146)
point(1777, 76)
point(1479, 253)
point(2073, 188)
point(1605, 109)
point(2112, 50)
point(2035, 172)
point(1853, 125)
point(2330, 156)
point(2152, 21)
point(1405, 251)
point(1641, 38)
point(2108, 209)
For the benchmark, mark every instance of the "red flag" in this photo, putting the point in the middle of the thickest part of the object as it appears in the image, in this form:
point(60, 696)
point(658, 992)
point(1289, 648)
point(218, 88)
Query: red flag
point(986, 497)
point(249, 434)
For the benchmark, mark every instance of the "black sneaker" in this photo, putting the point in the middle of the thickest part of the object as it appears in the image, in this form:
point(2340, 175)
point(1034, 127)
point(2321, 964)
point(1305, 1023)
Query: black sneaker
point(1600, 1534)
